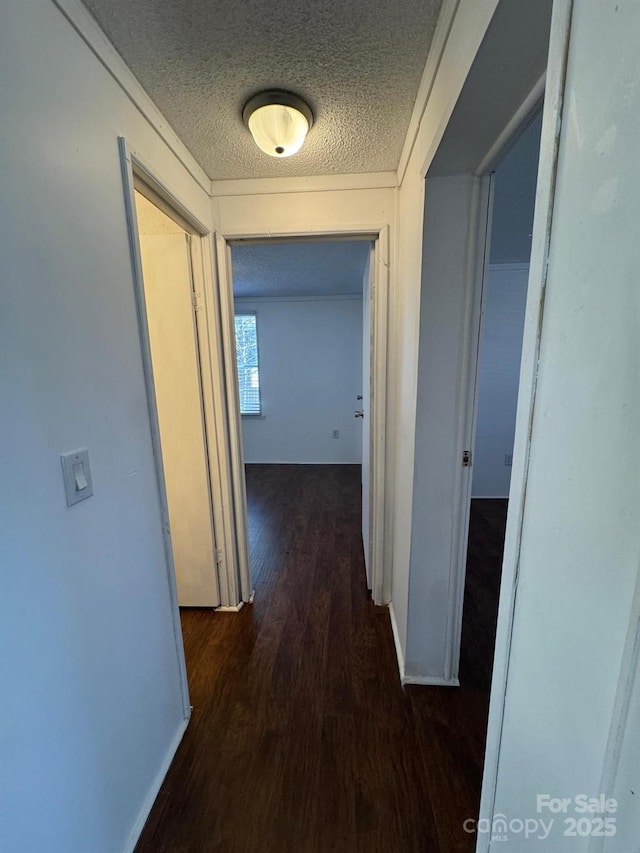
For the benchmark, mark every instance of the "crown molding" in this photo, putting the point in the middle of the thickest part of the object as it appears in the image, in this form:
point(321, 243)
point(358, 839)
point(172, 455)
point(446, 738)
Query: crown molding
point(315, 183)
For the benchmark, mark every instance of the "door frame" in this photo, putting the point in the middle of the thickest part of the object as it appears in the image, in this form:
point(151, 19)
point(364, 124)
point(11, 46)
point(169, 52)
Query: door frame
point(545, 193)
point(552, 115)
point(367, 294)
point(378, 235)
point(135, 173)
point(478, 250)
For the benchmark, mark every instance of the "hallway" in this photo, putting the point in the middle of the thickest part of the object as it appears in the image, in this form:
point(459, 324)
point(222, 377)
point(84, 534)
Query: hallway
point(302, 739)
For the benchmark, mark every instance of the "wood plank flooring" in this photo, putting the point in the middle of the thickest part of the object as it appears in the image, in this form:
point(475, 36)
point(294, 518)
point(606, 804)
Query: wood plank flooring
point(302, 739)
point(482, 591)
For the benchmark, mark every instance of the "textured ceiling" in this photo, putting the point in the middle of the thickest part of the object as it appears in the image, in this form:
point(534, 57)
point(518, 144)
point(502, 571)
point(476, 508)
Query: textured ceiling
point(299, 269)
point(357, 63)
point(152, 221)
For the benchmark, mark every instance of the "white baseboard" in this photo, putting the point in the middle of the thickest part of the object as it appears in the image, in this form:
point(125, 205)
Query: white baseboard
point(231, 608)
point(406, 678)
point(430, 680)
point(155, 789)
point(396, 642)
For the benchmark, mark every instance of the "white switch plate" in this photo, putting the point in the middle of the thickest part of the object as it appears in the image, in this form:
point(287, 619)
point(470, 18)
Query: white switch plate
point(77, 475)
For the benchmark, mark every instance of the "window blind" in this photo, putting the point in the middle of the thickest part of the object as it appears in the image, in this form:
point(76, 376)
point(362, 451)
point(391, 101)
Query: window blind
point(248, 367)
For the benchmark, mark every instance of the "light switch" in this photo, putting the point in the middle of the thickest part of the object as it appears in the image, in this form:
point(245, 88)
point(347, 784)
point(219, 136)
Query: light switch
point(77, 475)
point(80, 477)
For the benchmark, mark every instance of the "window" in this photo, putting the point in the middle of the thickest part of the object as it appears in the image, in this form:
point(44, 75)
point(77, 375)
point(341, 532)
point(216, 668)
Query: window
point(248, 371)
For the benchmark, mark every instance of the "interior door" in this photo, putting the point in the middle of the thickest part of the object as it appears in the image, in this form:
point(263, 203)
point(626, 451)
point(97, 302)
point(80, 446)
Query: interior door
point(365, 407)
point(176, 375)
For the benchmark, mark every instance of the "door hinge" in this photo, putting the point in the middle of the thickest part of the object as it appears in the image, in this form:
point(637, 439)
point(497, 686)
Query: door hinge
point(196, 299)
point(218, 556)
point(466, 459)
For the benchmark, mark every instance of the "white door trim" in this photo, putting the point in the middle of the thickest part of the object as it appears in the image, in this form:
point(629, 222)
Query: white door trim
point(379, 236)
point(126, 165)
point(209, 364)
point(200, 267)
point(478, 247)
point(207, 312)
point(379, 325)
point(551, 127)
point(240, 583)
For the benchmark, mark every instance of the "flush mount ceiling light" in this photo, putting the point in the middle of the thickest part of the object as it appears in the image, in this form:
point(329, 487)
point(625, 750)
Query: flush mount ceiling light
point(278, 121)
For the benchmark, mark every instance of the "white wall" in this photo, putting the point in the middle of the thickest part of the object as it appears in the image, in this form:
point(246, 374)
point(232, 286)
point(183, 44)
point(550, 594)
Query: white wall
point(450, 59)
point(505, 297)
point(514, 188)
point(310, 353)
point(91, 697)
point(580, 530)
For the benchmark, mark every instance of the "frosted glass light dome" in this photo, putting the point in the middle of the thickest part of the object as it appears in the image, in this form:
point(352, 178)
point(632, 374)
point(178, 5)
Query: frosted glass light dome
point(278, 121)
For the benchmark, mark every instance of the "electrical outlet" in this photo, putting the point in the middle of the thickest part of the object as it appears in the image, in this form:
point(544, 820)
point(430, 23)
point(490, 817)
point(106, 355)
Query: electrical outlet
point(335, 433)
point(508, 459)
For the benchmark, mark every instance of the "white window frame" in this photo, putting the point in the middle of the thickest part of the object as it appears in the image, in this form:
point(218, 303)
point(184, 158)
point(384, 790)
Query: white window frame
point(247, 312)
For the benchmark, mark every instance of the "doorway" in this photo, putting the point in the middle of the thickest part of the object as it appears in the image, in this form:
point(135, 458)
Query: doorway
point(302, 354)
point(168, 292)
point(504, 297)
point(507, 87)
point(377, 239)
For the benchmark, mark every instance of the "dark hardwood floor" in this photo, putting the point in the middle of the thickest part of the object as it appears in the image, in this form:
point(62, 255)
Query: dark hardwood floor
point(302, 739)
point(482, 591)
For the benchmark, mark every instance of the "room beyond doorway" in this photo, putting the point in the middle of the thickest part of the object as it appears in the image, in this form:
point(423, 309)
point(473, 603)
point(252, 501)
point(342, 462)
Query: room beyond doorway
point(306, 338)
point(301, 305)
